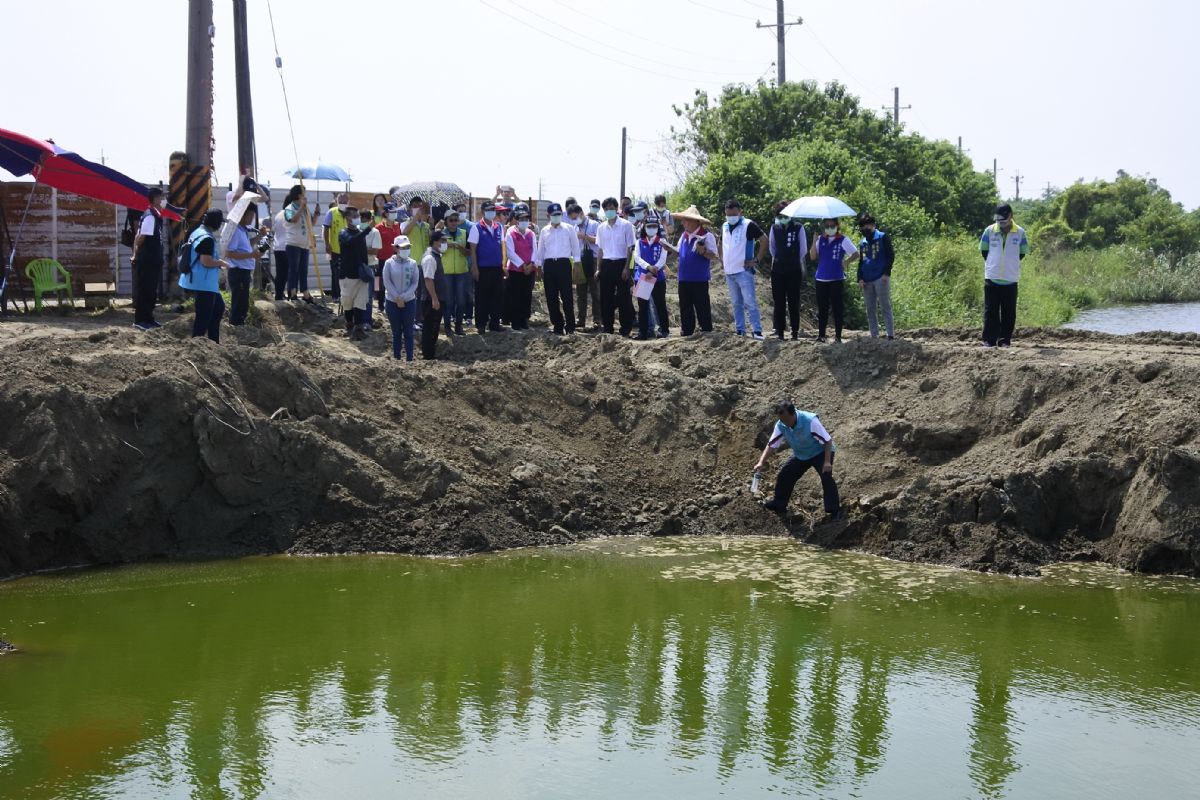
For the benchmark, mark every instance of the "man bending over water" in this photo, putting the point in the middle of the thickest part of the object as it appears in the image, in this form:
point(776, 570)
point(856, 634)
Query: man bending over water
point(812, 446)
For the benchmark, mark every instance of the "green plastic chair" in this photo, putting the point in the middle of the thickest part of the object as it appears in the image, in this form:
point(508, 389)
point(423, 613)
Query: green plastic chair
point(44, 272)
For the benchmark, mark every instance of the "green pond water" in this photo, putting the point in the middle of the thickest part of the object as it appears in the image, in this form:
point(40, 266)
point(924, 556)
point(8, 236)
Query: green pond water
point(621, 668)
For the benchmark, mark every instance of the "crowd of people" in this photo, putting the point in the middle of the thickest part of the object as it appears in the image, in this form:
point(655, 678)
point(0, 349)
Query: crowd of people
point(612, 254)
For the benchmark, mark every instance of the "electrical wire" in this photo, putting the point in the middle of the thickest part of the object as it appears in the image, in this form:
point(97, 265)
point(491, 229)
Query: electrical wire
point(862, 84)
point(722, 11)
point(659, 43)
point(543, 32)
point(283, 84)
point(585, 37)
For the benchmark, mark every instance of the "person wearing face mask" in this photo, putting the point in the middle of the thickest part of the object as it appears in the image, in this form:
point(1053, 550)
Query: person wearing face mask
point(148, 261)
point(400, 278)
point(357, 275)
point(458, 274)
point(417, 228)
point(435, 289)
point(616, 240)
point(204, 278)
point(486, 239)
point(833, 252)
point(1003, 246)
point(557, 249)
point(697, 250)
point(739, 244)
point(386, 229)
point(297, 222)
point(518, 294)
point(788, 245)
point(651, 260)
point(464, 225)
point(875, 273)
point(242, 254)
point(664, 216)
point(586, 285)
point(334, 223)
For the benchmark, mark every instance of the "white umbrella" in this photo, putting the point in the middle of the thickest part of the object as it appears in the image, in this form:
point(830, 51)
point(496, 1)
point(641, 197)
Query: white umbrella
point(818, 207)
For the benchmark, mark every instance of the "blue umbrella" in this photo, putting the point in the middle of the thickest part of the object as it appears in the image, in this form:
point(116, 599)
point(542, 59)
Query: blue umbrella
point(319, 171)
point(818, 207)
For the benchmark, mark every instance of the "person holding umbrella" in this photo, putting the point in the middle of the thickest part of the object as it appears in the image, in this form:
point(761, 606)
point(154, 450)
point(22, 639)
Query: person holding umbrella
point(833, 252)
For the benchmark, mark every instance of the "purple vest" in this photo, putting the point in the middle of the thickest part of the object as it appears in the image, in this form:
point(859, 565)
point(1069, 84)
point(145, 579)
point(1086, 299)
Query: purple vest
point(830, 256)
point(693, 267)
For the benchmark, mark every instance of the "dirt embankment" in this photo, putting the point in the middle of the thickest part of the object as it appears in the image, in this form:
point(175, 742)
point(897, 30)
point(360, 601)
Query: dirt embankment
point(119, 446)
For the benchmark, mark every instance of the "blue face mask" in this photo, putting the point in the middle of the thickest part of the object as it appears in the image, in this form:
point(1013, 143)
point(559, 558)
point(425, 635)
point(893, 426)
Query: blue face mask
point(489, 215)
point(610, 213)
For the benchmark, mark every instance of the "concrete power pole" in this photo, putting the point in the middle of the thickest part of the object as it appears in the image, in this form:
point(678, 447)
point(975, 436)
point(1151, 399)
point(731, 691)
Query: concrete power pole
point(623, 138)
point(245, 111)
point(1017, 179)
point(780, 30)
point(200, 83)
point(896, 109)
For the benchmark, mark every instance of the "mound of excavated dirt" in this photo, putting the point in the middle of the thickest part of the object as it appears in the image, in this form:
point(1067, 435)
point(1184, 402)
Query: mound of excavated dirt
point(122, 446)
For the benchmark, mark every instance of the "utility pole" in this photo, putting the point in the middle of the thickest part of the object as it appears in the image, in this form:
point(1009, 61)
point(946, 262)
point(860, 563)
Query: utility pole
point(996, 175)
point(245, 112)
point(1017, 178)
point(200, 83)
point(780, 31)
point(623, 138)
point(896, 109)
point(960, 144)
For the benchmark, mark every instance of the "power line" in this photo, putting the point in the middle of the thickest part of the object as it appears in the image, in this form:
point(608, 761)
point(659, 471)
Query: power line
point(627, 65)
point(896, 108)
point(845, 69)
point(660, 44)
point(722, 11)
point(585, 37)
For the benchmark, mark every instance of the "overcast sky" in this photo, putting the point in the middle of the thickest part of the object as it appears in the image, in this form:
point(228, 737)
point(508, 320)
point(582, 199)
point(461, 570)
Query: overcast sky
point(482, 92)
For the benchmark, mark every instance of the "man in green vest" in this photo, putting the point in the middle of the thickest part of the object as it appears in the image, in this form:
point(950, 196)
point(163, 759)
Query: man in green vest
point(334, 223)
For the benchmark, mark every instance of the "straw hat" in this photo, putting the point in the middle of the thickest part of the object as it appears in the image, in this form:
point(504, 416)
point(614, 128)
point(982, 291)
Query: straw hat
point(691, 213)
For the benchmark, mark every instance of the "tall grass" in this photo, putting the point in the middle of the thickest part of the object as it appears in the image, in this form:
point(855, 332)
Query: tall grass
point(938, 282)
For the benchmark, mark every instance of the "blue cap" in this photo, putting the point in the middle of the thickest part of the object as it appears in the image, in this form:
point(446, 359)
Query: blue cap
point(553, 208)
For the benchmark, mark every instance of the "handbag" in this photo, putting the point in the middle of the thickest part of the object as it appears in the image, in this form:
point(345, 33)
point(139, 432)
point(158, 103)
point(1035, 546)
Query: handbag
point(366, 274)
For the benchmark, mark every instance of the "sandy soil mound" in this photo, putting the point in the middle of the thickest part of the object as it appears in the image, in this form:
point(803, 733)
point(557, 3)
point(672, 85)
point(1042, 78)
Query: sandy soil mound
point(122, 446)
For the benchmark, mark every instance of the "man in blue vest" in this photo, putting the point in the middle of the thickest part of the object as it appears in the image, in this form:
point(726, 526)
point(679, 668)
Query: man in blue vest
point(486, 239)
point(812, 447)
point(875, 274)
point(1003, 246)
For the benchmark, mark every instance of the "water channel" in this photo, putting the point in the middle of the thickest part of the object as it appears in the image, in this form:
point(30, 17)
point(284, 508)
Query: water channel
point(638, 668)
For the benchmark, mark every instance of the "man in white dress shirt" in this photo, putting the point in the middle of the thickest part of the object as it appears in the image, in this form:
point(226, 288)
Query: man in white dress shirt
point(557, 249)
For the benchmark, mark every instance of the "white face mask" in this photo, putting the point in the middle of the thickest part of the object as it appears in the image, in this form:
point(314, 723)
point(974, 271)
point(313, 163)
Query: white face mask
point(343, 206)
point(556, 219)
point(576, 221)
point(732, 220)
point(443, 247)
point(831, 231)
point(489, 215)
point(595, 211)
point(404, 253)
point(651, 232)
point(523, 224)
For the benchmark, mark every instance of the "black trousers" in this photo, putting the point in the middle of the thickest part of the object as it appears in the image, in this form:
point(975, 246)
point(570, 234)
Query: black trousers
point(614, 295)
point(380, 299)
point(335, 276)
point(556, 277)
point(785, 296)
point(830, 293)
point(659, 298)
point(694, 306)
point(792, 472)
point(210, 307)
point(518, 299)
point(145, 289)
point(999, 312)
point(281, 273)
point(590, 287)
point(239, 294)
point(489, 294)
point(431, 326)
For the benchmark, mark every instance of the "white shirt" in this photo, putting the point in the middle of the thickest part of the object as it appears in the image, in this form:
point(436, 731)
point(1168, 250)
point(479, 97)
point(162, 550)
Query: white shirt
point(646, 265)
point(147, 226)
point(817, 431)
point(429, 265)
point(615, 239)
point(374, 240)
point(280, 229)
point(587, 226)
point(557, 242)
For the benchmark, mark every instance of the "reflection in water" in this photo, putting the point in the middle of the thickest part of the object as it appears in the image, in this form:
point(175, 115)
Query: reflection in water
point(753, 666)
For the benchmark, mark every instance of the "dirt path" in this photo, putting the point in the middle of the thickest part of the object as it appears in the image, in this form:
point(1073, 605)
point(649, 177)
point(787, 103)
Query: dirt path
point(287, 437)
